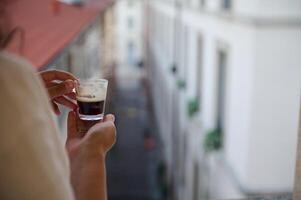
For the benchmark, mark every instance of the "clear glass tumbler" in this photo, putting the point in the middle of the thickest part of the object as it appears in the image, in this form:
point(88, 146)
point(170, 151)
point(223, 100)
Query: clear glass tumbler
point(91, 98)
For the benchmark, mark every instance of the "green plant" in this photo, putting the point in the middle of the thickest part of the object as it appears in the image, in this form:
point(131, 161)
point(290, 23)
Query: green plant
point(192, 107)
point(213, 140)
point(181, 84)
point(162, 178)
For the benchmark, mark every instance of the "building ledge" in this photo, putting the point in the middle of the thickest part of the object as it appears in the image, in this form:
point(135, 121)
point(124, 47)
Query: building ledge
point(257, 21)
point(281, 197)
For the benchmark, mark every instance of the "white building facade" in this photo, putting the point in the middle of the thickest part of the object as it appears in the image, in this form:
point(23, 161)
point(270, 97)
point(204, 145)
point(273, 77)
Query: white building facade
point(241, 62)
point(128, 24)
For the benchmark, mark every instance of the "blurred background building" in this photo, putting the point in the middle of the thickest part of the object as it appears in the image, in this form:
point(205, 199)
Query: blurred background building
point(206, 92)
point(226, 76)
point(128, 36)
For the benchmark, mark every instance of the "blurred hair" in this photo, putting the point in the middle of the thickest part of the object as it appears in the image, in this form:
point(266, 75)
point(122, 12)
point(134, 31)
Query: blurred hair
point(7, 33)
point(3, 23)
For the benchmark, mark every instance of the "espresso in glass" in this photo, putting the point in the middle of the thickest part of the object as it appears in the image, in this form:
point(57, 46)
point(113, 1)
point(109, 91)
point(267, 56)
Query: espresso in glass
point(91, 98)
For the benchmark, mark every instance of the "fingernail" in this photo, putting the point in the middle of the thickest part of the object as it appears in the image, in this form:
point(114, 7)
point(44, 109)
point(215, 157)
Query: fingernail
point(76, 82)
point(110, 117)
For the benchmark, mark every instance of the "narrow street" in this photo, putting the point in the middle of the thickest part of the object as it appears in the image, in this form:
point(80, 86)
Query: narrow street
point(132, 163)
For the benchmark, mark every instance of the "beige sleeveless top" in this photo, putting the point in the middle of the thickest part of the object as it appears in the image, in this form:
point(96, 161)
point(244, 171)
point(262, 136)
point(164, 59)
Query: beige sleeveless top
point(33, 161)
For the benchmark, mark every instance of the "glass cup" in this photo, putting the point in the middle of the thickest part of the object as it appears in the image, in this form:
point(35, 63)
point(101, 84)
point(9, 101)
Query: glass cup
point(91, 98)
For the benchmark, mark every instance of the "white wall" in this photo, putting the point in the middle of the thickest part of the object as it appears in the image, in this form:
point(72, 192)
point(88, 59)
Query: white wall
point(275, 109)
point(243, 43)
point(213, 5)
point(192, 63)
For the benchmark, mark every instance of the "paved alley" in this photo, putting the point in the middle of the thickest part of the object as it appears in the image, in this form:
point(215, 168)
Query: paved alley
point(132, 163)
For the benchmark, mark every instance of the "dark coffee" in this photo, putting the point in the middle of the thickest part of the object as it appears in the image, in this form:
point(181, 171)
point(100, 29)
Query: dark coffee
point(91, 108)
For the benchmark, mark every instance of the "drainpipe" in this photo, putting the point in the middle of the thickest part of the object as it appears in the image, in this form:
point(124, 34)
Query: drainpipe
point(297, 189)
point(177, 18)
point(174, 179)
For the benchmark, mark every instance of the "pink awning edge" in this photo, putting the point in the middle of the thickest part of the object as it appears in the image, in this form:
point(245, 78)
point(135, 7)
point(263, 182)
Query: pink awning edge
point(49, 26)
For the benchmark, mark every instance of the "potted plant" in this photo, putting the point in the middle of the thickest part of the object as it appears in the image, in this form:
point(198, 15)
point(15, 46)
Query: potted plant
point(192, 107)
point(181, 84)
point(213, 141)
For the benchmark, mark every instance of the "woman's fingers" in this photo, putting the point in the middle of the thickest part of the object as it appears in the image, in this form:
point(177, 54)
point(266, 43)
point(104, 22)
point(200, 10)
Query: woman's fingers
point(61, 89)
point(71, 95)
point(58, 84)
point(51, 75)
point(66, 102)
point(50, 85)
point(85, 126)
point(71, 126)
point(55, 108)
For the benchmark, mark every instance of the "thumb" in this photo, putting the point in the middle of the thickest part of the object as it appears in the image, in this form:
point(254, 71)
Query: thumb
point(71, 125)
point(109, 117)
point(103, 135)
point(61, 89)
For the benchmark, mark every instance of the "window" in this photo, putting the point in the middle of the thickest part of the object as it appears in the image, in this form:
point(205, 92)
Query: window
point(130, 3)
point(202, 3)
point(199, 70)
point(130, 23)
point(226, 4)
point(221, 88)
point(130, 53)
point(185, 50)
point(195, 182)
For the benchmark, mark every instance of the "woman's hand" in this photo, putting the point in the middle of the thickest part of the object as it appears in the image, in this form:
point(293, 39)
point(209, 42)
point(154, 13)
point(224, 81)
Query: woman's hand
point(60, 85)
point(87, 155)
point(98, 136)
